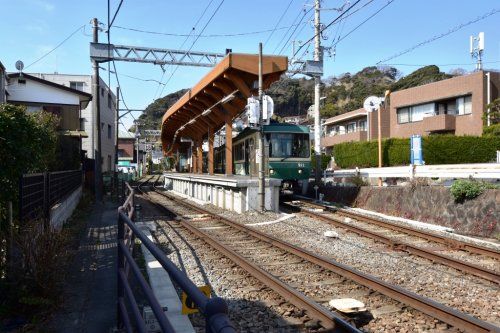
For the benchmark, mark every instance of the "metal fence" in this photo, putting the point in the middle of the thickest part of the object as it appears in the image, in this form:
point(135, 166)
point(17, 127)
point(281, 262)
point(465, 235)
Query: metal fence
point(39, 192)
point(214, 309)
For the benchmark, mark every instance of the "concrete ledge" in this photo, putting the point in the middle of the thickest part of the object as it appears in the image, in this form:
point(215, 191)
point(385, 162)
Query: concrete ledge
point(236, 193)
point(163, 288)
point(62, 211)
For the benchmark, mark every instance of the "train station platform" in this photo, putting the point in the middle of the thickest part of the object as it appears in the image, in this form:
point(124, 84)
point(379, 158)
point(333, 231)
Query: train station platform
point(236, 193)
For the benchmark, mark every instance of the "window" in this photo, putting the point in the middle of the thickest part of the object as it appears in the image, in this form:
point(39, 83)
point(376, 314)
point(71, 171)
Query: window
point(351, 127)
point(239, 152)
point(102, 92)
point(464, 105)
point(288, 145)
point(102, 127)
point(362, 125)
point(76, 85)
point(109, 131)
point(82, 124)
point(109, 101)
point(109, 162)
point(415, 113)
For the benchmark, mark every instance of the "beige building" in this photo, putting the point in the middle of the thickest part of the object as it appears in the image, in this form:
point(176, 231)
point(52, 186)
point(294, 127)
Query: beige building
point(454, 106)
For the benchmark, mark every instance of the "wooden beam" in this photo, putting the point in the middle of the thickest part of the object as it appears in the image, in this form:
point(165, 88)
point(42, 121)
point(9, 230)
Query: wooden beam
point(239, 83)
point(229, 144)
point(211, 138)
point(199, 154)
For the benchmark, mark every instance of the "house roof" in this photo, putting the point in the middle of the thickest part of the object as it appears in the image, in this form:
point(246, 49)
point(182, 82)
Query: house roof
point(2, 66)
point(126, 135)
point(346, 116)
point(50, 83)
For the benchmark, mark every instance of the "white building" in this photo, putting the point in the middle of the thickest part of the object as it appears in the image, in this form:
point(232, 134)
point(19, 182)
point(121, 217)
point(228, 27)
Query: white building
point(108, 115)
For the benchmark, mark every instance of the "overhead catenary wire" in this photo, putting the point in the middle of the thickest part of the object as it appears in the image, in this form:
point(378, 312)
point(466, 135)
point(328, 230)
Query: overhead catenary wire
point(436, 37)
point(158, 95)
point(439, 65)
point(194, 42)
point(110, 24)
point(298, 18)
point(56, 47)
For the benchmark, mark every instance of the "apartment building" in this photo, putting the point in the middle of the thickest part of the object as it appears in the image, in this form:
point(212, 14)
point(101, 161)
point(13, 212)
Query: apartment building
point(357, 125)
point(453, 106)
point(108, 115)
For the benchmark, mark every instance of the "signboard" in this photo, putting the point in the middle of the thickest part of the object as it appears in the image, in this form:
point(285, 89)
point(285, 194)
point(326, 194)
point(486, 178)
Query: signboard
point(416, 156)
point(152, 132)
point(188, 305)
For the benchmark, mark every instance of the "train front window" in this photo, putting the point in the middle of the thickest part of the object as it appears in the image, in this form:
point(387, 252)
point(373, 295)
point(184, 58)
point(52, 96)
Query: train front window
point(286, 145)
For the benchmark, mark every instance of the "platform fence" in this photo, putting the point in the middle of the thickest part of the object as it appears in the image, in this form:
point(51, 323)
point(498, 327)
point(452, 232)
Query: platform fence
point(214, 309)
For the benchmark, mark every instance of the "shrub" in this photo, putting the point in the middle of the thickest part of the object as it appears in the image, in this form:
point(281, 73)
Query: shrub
point(437, 149)
point(464, 189)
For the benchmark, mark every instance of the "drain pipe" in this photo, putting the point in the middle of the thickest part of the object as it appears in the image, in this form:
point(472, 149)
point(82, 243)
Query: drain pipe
point(488, 97)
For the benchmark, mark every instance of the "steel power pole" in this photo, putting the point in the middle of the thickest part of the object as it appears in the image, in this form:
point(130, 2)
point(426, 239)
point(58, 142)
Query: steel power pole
point(317, 82)
point(117, 122)
point(262, 179)
point(96, 110)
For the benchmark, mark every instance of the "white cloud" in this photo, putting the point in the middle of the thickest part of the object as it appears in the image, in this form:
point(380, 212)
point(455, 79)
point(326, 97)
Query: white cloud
point(38, 27)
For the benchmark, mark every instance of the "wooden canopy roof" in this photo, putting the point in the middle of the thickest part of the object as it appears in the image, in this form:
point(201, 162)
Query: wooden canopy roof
point(235, 75)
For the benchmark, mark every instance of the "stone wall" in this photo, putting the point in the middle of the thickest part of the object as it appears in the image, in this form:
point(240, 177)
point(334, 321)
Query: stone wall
point(431, 204)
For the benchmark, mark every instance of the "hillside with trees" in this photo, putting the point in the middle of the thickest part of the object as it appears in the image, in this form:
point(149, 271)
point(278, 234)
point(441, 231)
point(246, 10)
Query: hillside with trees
point(344, 93)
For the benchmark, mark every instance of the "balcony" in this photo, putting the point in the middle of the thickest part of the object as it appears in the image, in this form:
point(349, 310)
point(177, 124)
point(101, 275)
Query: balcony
point(331, 140)
point(439, 123)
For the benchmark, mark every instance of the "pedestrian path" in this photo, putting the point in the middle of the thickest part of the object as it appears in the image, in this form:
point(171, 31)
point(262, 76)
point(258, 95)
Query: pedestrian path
point(90, 290)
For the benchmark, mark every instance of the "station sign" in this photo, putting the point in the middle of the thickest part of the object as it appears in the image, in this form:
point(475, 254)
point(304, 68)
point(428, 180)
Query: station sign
point(152, 132)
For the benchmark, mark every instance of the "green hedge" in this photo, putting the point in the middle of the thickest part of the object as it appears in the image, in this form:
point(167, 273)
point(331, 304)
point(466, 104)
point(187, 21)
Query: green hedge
point(437, 149)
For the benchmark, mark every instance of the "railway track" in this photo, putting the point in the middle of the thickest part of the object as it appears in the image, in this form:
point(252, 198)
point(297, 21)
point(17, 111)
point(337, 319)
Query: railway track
point(376, 229)
point(281, 266)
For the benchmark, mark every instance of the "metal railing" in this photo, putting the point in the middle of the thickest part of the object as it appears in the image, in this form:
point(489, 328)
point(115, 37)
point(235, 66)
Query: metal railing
point(214, 309)
point(39, 192)
point(479, 171)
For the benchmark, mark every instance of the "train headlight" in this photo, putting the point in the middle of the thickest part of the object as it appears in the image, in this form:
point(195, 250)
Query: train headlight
point(271, 171)
point(300, 171)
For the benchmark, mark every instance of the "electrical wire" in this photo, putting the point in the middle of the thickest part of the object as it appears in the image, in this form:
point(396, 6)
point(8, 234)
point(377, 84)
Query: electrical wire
point(293, 32)
point(297, 19)
point(278, 22)
point(430, 40)
point(239, 34)
point(114, 16)
point(194, 42)
point(57, 46)
point(364, 21)
point(439, 65)
point(158, 95)
point(327, 26)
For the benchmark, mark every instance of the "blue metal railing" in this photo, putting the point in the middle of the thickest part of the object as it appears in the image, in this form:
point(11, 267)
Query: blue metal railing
point(214, 309)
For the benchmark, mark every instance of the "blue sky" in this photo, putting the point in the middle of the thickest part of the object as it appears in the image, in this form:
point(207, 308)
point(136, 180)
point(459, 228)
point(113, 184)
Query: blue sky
point(31, 28)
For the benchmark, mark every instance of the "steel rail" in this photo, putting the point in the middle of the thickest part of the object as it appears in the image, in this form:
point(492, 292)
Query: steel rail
point(328, 319)
point(464, 266)
point(428, 306)
point(456, 244)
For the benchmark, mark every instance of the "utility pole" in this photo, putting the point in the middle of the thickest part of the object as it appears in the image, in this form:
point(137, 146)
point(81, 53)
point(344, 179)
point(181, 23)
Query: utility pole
point(96, 110)
point(117, 125)
point(262, 179)
point(317, 82)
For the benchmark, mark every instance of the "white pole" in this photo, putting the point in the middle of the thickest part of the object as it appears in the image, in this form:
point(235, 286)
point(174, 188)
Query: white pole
point(317, 82)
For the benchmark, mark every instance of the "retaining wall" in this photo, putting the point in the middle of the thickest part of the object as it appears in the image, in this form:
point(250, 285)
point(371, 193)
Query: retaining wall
point(63, 210)
point(431, 204)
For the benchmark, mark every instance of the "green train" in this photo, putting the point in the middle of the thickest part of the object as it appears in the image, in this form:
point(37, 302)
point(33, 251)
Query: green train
point(287, 156)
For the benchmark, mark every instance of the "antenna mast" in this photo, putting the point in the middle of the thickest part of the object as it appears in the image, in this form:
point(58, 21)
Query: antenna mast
point(476, 49)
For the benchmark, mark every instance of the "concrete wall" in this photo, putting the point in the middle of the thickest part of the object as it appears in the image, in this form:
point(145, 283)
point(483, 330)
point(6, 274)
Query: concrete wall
point(61, 212)
point(431, 204)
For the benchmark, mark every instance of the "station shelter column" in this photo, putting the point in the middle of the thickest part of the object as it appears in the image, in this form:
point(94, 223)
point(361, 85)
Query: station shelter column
point(199, 155)
point(211, 137)
point(229, 143)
